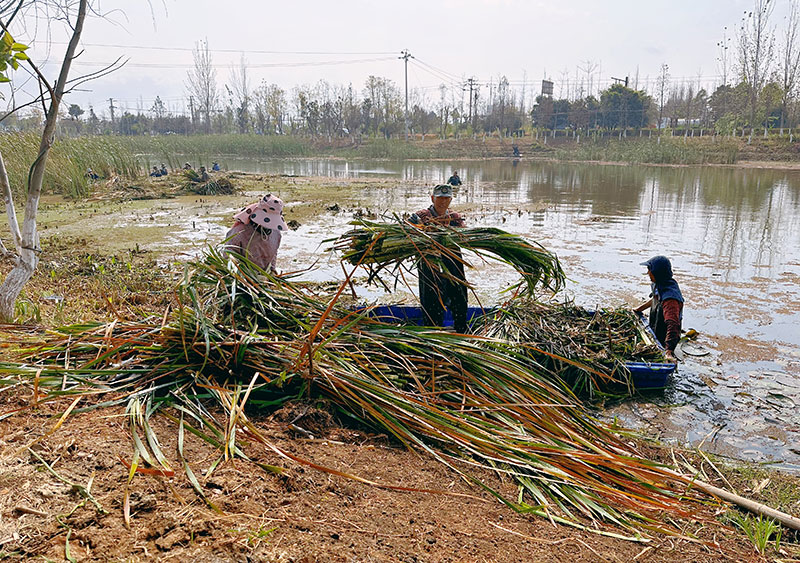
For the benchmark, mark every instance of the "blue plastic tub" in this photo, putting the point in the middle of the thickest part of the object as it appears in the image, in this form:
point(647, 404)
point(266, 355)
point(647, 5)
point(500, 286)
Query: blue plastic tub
point(644, 375)
point(413, 314)
point(650, 375)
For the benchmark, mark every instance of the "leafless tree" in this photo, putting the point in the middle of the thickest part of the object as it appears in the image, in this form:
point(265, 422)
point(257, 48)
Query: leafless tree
point(724, 56)
point(663, 84)
point(756, 49)
point(689, 99)
point(201, 81)
point(353, 120)
point(789, 53)
point(240, 93)
point(276, 106)
point(444, 111)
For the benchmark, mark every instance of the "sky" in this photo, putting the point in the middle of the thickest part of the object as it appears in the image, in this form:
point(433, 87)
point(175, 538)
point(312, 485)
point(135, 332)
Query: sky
point(345, 41)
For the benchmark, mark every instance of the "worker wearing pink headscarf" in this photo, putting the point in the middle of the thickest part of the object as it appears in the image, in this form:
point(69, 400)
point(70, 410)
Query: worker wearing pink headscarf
point(257, 231)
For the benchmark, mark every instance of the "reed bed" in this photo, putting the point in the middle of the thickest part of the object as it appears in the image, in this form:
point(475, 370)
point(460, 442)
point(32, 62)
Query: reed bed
point(68, 162)
point(670, 150)
point(382, 247)
point(241, 337)
point(173, 150)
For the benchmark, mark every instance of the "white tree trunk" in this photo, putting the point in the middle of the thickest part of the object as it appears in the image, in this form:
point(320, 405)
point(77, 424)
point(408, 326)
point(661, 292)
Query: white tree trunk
point(29, 239)
point(8, 198)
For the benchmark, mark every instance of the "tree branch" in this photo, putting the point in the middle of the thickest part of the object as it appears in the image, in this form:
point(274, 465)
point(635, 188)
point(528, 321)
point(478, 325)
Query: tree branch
point(42, 79)
point(16, 11)
point(23, 106)
point(98, 73)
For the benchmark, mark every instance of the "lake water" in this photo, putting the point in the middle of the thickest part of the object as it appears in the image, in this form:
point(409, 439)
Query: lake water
point(733, 235)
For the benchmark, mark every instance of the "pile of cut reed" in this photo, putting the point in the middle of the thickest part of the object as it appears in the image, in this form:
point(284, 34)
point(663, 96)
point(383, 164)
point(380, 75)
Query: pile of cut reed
point(586, 349)
point(242, 337)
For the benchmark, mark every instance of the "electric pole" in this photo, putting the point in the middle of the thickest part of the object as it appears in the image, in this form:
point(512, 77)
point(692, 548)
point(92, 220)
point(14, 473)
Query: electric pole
point(111, 108)
point(471, 84)
point(405, 55)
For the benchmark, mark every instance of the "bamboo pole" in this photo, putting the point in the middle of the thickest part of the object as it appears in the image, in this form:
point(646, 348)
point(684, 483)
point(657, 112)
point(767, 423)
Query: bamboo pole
point(756, 507)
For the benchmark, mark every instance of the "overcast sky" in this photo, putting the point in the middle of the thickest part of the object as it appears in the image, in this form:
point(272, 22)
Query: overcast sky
point(352, 39)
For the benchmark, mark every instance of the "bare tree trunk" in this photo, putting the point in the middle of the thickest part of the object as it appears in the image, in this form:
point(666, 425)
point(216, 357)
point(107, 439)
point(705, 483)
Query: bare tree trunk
point(8, 197)
point(29, 247)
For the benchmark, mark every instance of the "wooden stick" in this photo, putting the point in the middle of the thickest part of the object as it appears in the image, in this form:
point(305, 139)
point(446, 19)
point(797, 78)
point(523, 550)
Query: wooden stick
point(28, 510)
point(756, 507)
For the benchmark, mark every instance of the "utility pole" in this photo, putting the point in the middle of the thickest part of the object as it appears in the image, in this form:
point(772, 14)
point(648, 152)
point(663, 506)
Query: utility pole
point(621, 80)
point(471, 84)
point(405, 55)
point(111, 108)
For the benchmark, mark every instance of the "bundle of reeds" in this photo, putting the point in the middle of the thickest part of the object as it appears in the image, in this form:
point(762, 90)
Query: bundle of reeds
point(215, 186)
point(380, 246)
point(586, 349)
point(243, 336)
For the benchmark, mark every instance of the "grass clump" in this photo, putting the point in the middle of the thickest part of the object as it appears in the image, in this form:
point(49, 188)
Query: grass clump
point(759, 530)
point(173, 150)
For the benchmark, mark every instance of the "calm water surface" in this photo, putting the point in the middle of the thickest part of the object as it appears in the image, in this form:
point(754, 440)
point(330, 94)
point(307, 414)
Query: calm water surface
point(733, 236)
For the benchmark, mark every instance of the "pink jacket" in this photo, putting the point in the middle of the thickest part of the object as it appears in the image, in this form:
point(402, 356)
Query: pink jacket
point(254, 244)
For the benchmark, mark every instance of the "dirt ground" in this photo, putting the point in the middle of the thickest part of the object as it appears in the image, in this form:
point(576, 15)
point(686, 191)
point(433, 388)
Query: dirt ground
point(299, 514)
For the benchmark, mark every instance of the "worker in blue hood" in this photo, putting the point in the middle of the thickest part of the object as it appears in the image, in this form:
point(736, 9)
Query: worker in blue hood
point(665, 303)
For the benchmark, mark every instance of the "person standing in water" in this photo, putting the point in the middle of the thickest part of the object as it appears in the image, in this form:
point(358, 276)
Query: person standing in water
point(665, 304)
point(438, 289)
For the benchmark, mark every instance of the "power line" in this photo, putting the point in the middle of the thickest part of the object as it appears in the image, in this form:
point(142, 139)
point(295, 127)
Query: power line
point(454, 77)
point(237, 51)
point(439, 76)
point(249, 65)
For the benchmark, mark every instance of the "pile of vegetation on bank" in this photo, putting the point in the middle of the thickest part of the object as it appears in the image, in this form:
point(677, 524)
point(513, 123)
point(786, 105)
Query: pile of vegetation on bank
point(667, 150)
point(68, 162)
point(240, 336)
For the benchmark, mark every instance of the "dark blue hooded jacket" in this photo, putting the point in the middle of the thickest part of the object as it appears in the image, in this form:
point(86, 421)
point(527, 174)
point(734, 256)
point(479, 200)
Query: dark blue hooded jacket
point(664, 288)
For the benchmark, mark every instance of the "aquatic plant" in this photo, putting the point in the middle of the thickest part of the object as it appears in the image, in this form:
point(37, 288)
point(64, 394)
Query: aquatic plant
point(586, 349)
point(68, 161)
point(667, 150)
point(173, 150)
point(386, 246)
point(241, 337)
